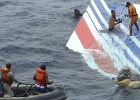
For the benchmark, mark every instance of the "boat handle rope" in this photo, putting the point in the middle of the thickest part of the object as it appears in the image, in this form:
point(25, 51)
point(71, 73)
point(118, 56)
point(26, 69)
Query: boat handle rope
point(25, 91)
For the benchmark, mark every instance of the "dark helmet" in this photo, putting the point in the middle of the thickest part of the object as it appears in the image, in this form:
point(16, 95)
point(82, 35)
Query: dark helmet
point(127, 4)
point(43, 67)
point(76, 10)
point(112, 11)
point(8, 65)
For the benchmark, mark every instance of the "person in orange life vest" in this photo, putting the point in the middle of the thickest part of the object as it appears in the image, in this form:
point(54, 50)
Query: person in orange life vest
point(132, 14)
point(8, 78)
point(41, 79)
point(113, 21)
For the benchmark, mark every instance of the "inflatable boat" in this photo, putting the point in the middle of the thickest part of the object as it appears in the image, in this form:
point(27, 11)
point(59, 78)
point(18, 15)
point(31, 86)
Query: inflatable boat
point(25, 91)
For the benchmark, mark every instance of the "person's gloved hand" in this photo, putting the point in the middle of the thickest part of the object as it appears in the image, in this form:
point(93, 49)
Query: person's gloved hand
point(50, 82)
point(126, 15)
point(120, 20)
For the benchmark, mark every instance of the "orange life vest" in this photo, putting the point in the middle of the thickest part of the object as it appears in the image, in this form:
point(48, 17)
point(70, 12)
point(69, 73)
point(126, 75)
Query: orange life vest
point(132, 11)
point(40, 77)
point(6, 79)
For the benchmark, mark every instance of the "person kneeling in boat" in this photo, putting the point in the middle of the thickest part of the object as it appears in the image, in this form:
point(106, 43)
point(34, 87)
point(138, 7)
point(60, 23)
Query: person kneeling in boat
point(113, 21)
point(41, 79)
point(7, 79)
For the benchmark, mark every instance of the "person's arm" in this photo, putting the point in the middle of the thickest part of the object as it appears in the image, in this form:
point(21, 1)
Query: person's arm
point(11, 75)
point(50, 82)
point(119, 20)
point(129, 12)
point(34, 77)
point(47, 80)
point(111, 22)
point(117, 23)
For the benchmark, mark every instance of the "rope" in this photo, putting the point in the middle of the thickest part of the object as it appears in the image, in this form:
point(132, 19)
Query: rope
point(122, 16)
point(22, 95)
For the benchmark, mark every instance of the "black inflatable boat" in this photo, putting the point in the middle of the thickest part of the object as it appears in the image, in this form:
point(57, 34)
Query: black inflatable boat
point(25, 91)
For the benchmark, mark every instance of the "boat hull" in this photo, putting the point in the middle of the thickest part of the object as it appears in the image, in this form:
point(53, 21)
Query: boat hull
point(26, 92)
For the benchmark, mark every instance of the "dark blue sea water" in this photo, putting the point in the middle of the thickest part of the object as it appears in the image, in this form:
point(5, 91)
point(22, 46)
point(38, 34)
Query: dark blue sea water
point(33, 32)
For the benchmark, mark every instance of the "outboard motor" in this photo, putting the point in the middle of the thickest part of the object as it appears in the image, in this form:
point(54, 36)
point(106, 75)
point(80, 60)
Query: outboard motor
point(1, 88)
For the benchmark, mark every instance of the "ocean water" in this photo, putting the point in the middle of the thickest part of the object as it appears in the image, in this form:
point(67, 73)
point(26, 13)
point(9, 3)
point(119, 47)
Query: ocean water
point(33, 32)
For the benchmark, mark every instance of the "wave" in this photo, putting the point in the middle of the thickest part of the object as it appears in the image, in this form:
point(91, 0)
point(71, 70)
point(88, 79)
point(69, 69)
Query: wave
point(12, 49)
point(5, 3)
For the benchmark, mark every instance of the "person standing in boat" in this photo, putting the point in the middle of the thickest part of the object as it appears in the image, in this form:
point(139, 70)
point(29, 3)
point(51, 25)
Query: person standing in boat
point(41, 79)
point(132, 14)
point(7, 79)
point(113, 21)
